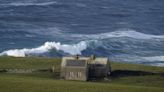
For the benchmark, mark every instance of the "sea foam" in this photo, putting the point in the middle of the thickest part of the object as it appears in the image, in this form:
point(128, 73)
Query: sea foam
point(71, 49)
point(154, 58)
point(121, 33)
point(29, 4)
point(82, 45)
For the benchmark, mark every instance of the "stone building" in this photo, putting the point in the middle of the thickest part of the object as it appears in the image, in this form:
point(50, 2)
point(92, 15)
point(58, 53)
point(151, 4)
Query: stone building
point(84, 68)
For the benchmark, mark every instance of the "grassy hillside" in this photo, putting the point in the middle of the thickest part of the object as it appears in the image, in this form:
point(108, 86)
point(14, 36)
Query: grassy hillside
point(13, 83)
point(29, 63)
point(124, 78)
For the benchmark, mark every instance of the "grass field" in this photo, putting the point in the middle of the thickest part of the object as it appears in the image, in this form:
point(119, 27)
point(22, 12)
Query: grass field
point(124, 78)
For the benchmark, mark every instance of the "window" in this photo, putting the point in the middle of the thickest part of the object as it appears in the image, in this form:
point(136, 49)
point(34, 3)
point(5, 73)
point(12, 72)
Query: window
point(71, 74)
point(79, 74)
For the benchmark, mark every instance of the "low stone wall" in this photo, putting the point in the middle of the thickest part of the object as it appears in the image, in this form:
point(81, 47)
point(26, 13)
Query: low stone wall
point(23, 70)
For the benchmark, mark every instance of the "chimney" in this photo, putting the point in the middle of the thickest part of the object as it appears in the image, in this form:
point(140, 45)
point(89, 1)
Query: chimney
point(93, 57)
point(77, 56)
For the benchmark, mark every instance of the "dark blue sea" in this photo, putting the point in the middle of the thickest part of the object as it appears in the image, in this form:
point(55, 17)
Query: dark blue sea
point(123, 30)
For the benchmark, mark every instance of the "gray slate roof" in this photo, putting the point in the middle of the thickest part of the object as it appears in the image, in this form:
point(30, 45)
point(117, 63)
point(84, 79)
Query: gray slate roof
point(76, 63)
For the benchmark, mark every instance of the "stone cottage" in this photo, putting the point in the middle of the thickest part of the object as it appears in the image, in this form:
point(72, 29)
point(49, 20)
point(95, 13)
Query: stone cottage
point(84, 68)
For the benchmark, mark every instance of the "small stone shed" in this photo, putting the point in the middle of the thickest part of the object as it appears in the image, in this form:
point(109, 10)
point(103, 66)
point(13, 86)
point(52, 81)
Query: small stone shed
point(84, 68)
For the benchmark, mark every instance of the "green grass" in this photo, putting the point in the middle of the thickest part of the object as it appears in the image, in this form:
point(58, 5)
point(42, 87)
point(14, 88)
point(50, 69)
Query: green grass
point(29, 63)
point(13, 83)
point(138, 67)
point(140, 79)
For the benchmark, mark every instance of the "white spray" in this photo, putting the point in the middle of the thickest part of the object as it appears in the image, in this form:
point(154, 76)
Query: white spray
point(71, 49)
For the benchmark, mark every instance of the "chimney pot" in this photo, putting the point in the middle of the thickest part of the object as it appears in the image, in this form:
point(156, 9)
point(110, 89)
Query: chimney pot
point(93, 57)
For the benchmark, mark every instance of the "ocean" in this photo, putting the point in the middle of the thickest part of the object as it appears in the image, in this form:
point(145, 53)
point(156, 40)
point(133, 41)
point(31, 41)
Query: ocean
point(123, 30)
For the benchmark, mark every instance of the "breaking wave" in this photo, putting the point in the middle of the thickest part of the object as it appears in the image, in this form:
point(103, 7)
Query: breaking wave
point(71, 49)
point(121, 33)
point(154, 58)
point(158, 64)
point(101, 44)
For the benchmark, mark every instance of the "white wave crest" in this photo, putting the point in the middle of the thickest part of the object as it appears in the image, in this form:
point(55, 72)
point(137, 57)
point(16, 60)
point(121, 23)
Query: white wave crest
point(120, 33)
point(154, 58)
point(71, 49)
point(28, 4)
point(158, 64)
